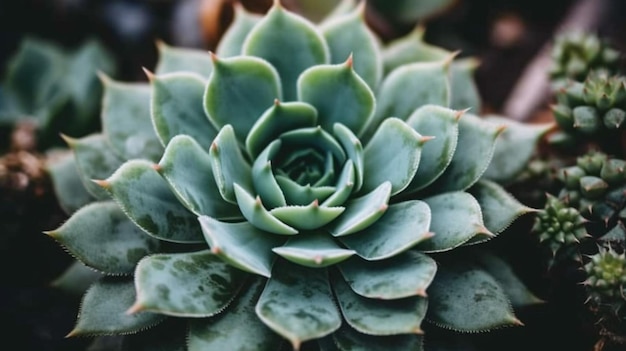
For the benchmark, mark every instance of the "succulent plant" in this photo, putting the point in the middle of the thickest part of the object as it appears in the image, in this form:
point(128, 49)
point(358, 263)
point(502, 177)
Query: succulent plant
point(285, 189)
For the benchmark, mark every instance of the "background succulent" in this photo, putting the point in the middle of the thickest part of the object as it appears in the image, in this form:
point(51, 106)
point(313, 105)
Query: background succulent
point(328, 196)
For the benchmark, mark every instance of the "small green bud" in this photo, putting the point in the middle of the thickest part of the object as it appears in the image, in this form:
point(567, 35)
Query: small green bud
point(592, 162)
point(570, 176)
point(586, 119)
point(614, 118)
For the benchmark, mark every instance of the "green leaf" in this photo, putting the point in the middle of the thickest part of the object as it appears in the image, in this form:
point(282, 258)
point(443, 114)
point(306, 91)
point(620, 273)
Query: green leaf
point(349, 35)
point(476, 137)
point(224, 331)
point(103, 310)
point(239, 91)
point(514, 149)
point(499, 208)
point(229, 165)
point(67, 184)
point(265, 183)
point(297, 304)
point(304, 194)
point(442, 124)
point(354, 149)
point(456, 218)
point(177, 108)
point(393, 154)
point(95, 160)
point(241, 244)
point(344, 186)
point(76, 279)
point(467, 299)
point(233, 38)
point(187, 168)
point(411, 48)
point(194, 284)
point(254, 211)
point(404, 275)
point(279, 118)
point(404, 225)
point(102, 237)
point(308, 217)
point(338, 94)
point(464, 94)
point(380, 317)
point(149, 202)
point(362, 212)
point(348, 339)
point(126, 120)
point(290, 43)
point(313, 250)
point(178, 59)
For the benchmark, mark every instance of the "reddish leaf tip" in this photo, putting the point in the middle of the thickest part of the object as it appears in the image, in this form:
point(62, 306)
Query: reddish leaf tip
point(102, 183)
point(136, 307)
point(350, 61)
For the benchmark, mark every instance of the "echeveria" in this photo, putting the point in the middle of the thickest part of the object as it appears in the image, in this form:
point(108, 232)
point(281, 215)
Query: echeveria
point(311, 204)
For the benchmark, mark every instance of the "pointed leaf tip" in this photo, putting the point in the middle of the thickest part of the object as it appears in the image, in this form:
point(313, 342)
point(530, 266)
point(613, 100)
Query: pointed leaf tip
point(350, 61)
point(214, 57)
point(136, 307)
point(458, 114)
point(68, 139)
point(149, 74)
point(102, 183)
point(448, 60)
point(104, 78)
point(71, 334)
point(426, 138)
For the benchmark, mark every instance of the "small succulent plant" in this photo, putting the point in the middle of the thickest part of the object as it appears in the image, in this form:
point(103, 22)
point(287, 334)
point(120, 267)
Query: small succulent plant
point(287, 189)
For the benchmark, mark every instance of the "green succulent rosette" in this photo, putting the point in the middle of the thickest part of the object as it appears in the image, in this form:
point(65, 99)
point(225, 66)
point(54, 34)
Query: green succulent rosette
point(286, 190)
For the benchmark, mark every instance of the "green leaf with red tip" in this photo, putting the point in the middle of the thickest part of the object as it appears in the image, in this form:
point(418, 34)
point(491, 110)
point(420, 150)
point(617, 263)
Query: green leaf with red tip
point(177, 108)
point(467, 299)
point(229, 164)
point(223, 332)
point(348, 339)
point(464, 94)
point(241, 244)
point(148, 201)
point(126, 120)
point(187, 168)
point(254, 211)
point(194, 284)
point(313, 250)
point(456, 218)
point(411, 48)
point(349, 35)
point(362, 212)
point(290, 43)
point(379, 317)
point(232, 40)
point(239, 91)
point(67, 183)
point(297, 304)
point(102, 237)
point(476, 137)
point(393, 154)
point(338, 94)
point(309, 217)
point(405, 224)
point(178, 59)
point(103, 310)
point(443, 124)
point(404, 275)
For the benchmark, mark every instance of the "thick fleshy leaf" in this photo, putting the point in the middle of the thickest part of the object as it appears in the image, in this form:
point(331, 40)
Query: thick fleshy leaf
point(476, 137)
point(102, 237)
point(186, 166)
point(468, 299)
point(67, 184)
point(315, 138)
point(428, 83)
point(338, 94)
point(224, 331)
point(177, 108)
point(354, 149)
point(167, 336)
point(290, 43)
point(411, 48)
point(126, 120)
point(515, 146)
point(499, 208)
point(464, 94)
point(254, 211)
point(232, 40)
point(363, 211)
point(379, 317)
point(103, 310)
point(178, 59)
point(404, 275)
point(443, 124)
point(76, 279)
point(304, 194)
point(149, 202)
point(195, 284)
point(456, 218)
point(297, 304)
point(241, 244)
point(307, 217)
point(403, 226)
point(348, 339)
point(363, 45)
point(313, 250)
point(263, 179)
point(229, 165)
point(279, 118)
point(392, 155)
point(95, 160)
point(239, 91)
